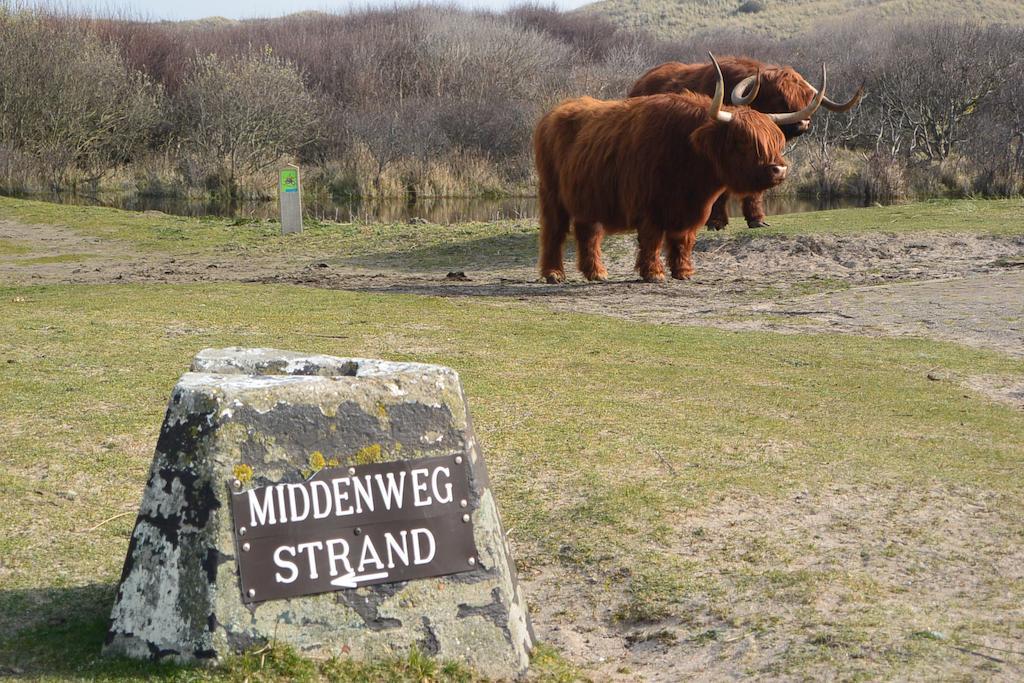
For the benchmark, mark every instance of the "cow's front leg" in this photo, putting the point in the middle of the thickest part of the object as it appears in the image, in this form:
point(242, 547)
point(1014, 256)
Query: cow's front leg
point(554, 227)
point(753, 210)
point(648, 257)
point(719, 217)
point(680, 253)
point(588, 250)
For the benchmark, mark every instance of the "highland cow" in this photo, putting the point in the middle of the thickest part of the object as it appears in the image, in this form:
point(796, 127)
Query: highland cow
point(767, 88)
point(651, 164)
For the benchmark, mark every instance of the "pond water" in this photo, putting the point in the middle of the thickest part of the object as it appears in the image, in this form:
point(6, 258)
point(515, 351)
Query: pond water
point(435, 210)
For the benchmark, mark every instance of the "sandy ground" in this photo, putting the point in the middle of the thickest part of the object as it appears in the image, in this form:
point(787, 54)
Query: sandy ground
point(885, 558)
point(963, 288)
point(849, 579)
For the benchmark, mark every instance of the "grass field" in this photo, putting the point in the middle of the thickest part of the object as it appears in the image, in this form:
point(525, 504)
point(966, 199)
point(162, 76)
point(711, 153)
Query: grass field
point(787, 18)
point(660, 472)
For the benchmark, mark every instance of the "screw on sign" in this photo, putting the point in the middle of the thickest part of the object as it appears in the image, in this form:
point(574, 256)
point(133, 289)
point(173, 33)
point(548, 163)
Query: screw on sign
point(354, 526)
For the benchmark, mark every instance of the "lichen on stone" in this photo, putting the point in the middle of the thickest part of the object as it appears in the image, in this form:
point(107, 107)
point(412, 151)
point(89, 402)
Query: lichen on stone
point(367, 455)
point(317, 461)
point(243, 473)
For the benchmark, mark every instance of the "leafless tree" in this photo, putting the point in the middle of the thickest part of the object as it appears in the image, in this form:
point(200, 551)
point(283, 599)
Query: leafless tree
point(936, 82)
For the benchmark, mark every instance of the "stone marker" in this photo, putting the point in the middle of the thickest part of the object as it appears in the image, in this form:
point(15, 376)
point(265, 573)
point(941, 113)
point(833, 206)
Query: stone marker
point(289, 194)
point(337, 505)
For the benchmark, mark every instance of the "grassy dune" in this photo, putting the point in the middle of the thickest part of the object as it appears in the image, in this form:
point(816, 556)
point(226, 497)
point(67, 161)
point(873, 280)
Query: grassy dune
point(786, 18)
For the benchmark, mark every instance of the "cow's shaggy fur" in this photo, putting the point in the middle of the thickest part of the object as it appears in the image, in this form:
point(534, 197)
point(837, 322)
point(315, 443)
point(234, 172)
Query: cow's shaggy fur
point(651, 164)
point(782, 90)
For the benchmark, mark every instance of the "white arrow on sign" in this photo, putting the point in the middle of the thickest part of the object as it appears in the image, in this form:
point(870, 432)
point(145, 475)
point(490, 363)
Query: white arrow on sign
point(350, 580)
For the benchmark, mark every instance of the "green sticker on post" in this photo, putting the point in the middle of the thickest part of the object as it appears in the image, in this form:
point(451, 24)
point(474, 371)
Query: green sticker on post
point(290, 180)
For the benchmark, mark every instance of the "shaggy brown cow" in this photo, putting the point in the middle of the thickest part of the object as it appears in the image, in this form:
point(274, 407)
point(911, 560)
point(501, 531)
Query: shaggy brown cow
point(651, 164)
point(765, 87)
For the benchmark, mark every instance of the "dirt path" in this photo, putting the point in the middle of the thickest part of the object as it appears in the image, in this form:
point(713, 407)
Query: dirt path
point(963, 288)
point(977, 310)
point(47, 242)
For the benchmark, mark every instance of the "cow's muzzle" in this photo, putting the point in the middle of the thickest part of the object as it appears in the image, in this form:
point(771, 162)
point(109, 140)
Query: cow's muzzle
point(777, 173)
point(797, 129)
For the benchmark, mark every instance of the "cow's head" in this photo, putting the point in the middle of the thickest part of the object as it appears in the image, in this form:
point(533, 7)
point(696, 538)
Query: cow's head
point(782, 89)
point(744, 145)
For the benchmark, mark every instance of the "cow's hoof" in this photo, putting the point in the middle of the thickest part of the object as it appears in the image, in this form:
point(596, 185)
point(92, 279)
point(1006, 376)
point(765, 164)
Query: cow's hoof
point(714, 224)
point(554, 278)
point(758, 224)
point(597, 277)
point(653, 277)
point(681, 276)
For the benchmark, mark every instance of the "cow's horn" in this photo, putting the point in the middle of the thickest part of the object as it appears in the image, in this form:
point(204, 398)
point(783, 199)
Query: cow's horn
point(715, 111)
point(806, 112)
point(752, 82)
point(836, 107)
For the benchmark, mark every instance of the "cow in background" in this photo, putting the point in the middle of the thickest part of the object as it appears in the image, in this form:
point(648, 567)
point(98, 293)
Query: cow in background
point(651, 164)
point(767, 88)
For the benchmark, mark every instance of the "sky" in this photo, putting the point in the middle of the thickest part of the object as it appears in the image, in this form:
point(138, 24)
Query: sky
point(241, 9)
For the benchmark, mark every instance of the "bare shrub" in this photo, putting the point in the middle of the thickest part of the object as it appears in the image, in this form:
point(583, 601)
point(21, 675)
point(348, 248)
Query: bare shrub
point(150, 48)
point(998, 155)
point(239, 115)
point(387, 100)
point(590, 36)
point(429, 82)
point(160, 175)
point(822, 174)
point(481, 56)
point(387, 136)
point(68, 101)
point(486, 128)
point(933, 84)
point(611, 77)
point(942, 111)
point(997, 145)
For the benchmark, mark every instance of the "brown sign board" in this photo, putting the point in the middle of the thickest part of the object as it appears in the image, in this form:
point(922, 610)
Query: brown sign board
point(346, 527)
